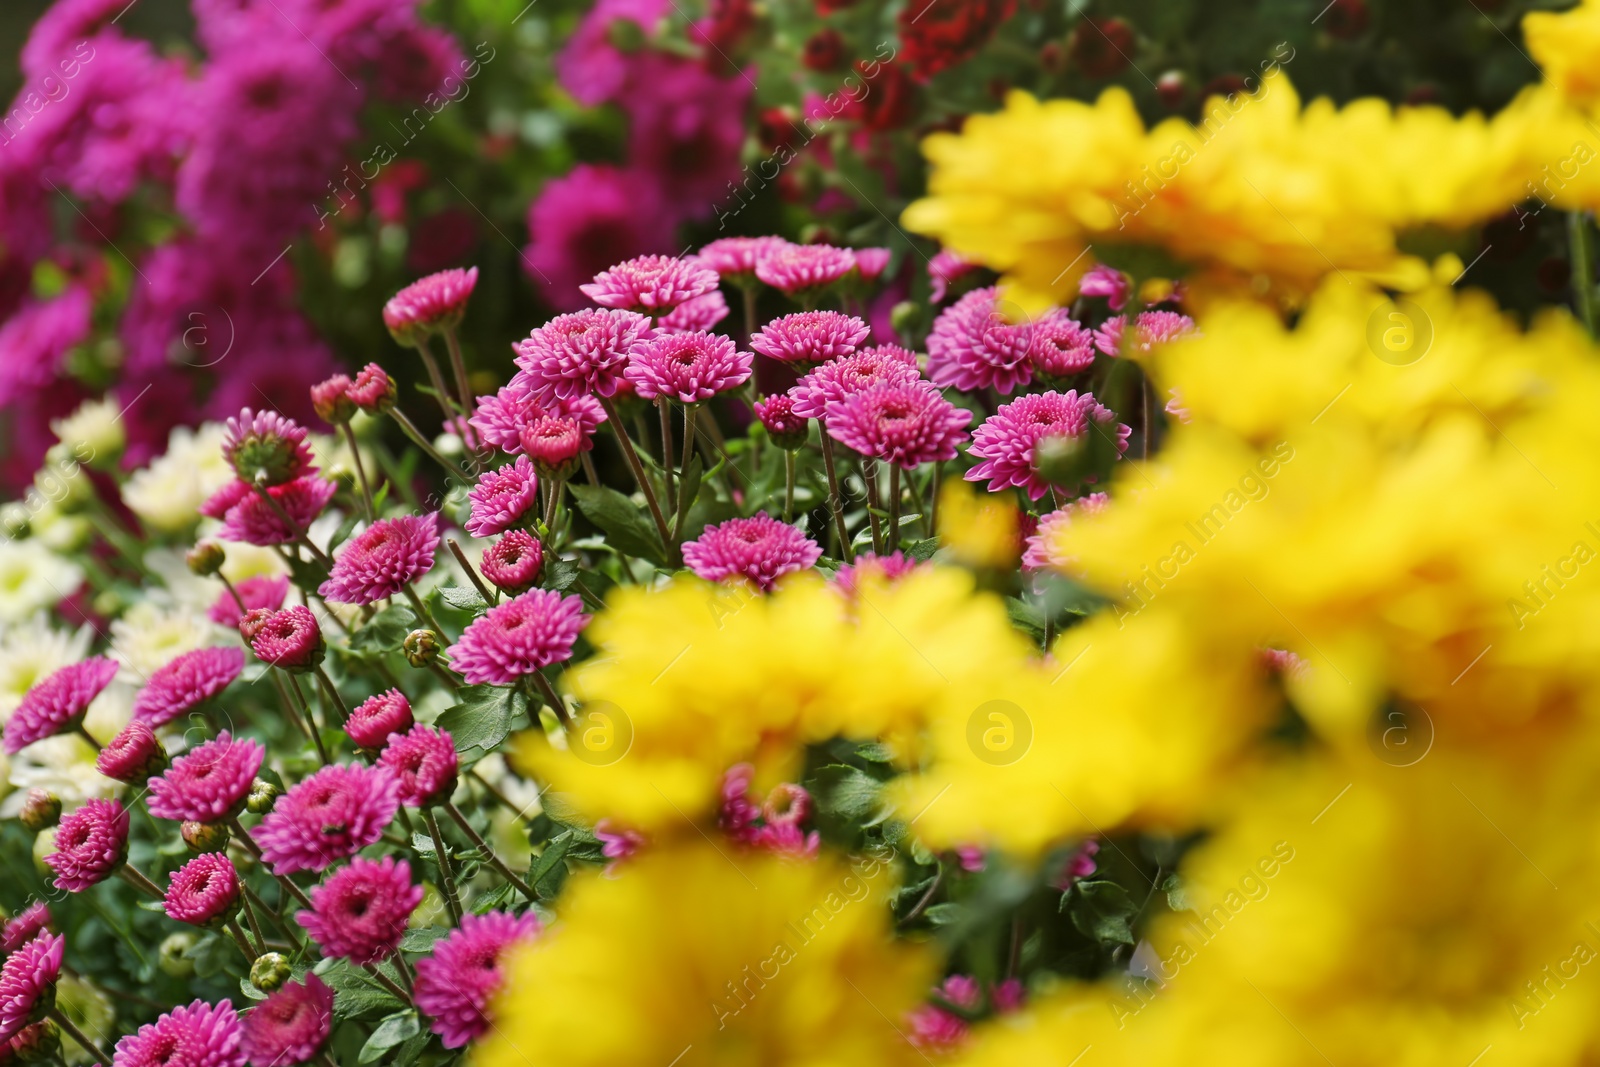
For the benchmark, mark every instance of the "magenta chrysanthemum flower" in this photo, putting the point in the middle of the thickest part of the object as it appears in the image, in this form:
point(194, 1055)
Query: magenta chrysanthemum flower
point(617, 843)
point(23, 926)
point(810, 337)
point(973, 346)
point(383, 559)
point(701, 313)
point(512, 563)
point(734, 258)
point(786, 427)
point(375, 718)
point(1040, 553)
point(455, 984)
point(1150, 329)
point(265, 448)
point(290, 1026)
point(904, 423)
point(372, 390)
point(327, 817)
point(651, 284)
point(1007, 440)
point(797, 268)
point(247, 518)
point(519, 637)
point(27, 982)
point(871, 262)
point(885, 568)
point(687, 367)
point(502, 420)
point(502, 497)
point(260, 591)
point(360, 912)
point(584, 352)
point(186, 682)
point(133, 755)
point(204, 891)
point(944, 268)
point(828, 386)
point(1061, 346)
point(934, 1027)
point(289, 638)
point(58, 703)
point(208, 783)
point(1107, 282)
point(91, 843)
point(200, 1035)
point(429, 304)
point(760, 549)
point(423, 761)
point(330, 399)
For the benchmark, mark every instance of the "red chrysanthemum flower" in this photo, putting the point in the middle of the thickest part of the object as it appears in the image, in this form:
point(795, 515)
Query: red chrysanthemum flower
point(186, 682)
point(938, 34)
point(260, 591)
point(734, 258)
point(290, 1026)
point(383, 559)
point(247, 518)
point(91, 843)
point(290, 639)
point(209, 783)
point(651, 284)
point(360, 913)
point(204, 891)
point(584, 352)
point(512, 563)
point(23, 927)
point(133, 755)
point(1008, 439)
point(376, 717)
point(783, 424)
point(829, 385)
point(687, 367)
point(327, 817)
point(423, 761)
point(502, 497)
point(27, 983)
point(58, 703)
point(372, 391)
point(810, 337)
point(701, 313)
point(760, 549)
point(429, 305)
point(973, 345)
point(200, 1035)
point(516, 638)
point(455, 983)
point(904, 423)
point(800, 268)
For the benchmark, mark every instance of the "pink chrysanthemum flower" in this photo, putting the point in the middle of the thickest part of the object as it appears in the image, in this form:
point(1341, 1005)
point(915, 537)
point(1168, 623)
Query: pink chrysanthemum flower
point(734, 258)
point(23, 926)
point(760, 549)
point(701, 313)
point(1107, 282)
point(1040, 553)
point(651, 284)
point(933, 1027)
point(372, 391)
point(617, 843)
point(290, 1026)
point(974, 346)
point(200, 1035)
point(423, 761)
point(265, 448)
point(289, 638)
point(1061, 346)
point(27, 983)
point(209, 783)
point(375, 718)
point(330, 399)
point(971, 858)
point(91, 843)
point(810, 337)
point(383, 559)
point(360, 913)
point(1008, 439)
point(1282, 662)
point(583, 352)
point(944, 268)
point(775, 825)
point(519, 637)
point(797, 268)
point(1078, 866)
point(787, 428)
point(327, 817)
point(58, 703)
point(502, 420)
point(186, 682)
point(888, 568)
point(554, 444)
point(133, 755)
point(1150, 329)
point(247, 518)
point(204, 891)
point(502, 497)
point(738, 814)
point(870, 262)
point(904, 423)
point(260, 591)
point(455, 984)
point(429, 305)
point(512, 563)
point(687, 367)
point(828, 386)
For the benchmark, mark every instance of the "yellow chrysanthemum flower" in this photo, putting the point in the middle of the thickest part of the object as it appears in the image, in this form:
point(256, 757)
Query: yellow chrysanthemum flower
point(1567, 46)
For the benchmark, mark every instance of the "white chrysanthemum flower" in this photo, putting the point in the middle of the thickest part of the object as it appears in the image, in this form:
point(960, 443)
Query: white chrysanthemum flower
point(64, 765)
point(151, 634)
point(168, 493)
point(33, 578)
point(94, 431)
point(30, 652)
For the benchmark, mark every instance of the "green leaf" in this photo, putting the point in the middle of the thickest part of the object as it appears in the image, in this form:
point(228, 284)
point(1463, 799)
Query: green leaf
point(423, 844)
point(560, 573)
point(491, 900)
point(397, 1028)
point(625, 526)
point(1025, 616)
point(944, 914)
point(462, 598)
point(385, 631)
point(847, 792)
point(346, 528)
point(688, 490)
point(483, 718)
point(307, 573)
point(421, 939)
point(248, 989)
point(549, 871)
point(355, 995)
point(1177, 894)
point(1102, 910)
point(922, 551)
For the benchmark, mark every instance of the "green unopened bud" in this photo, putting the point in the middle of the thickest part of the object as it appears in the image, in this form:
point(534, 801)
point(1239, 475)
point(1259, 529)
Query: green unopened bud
point(269, 971)
point(108, 603)
point(41, 809)
point(206, 558)
point(905, 316)
point(263, 795)
point(170, 956)
point(421, 647)
point(15, 520)
point(204, 836)
point(38, 1043)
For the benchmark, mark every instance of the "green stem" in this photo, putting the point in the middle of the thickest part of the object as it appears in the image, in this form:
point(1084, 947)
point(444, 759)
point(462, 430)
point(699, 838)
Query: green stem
point(472, 573)
point(72, 1031)
point(639, 475)
point(411, 431)
point(489, 853)
point(1580, 236)
point(361, 471)
point(249, 843)
point(894, 507)
point(788, 486)
point(835, 501)
point(294, 714)
point(436, 380)
point(664, 407)
point(459, 365)
point(869, 474)
point(238, 939)
point(255, 924)
point(424, 614)
point(134, 877)
point(293, 685)
point(552, 698)
point(335, 701)
point(298, 535)
point(447, 882)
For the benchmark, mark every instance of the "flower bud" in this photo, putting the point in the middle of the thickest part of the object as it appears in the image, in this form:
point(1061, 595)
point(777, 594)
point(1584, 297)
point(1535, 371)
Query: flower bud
point(421, 647)
point(787, 430)
point(373, 391)
point(263, 795)
point(252, 621)
point(904, 317)
point(331, 399)
point(290, 639)
point(270, 971)
point(133, 756)
point(171, 958)
point(41, 809)
point(206, 558)
point(38, 1043)
point(204, 837)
